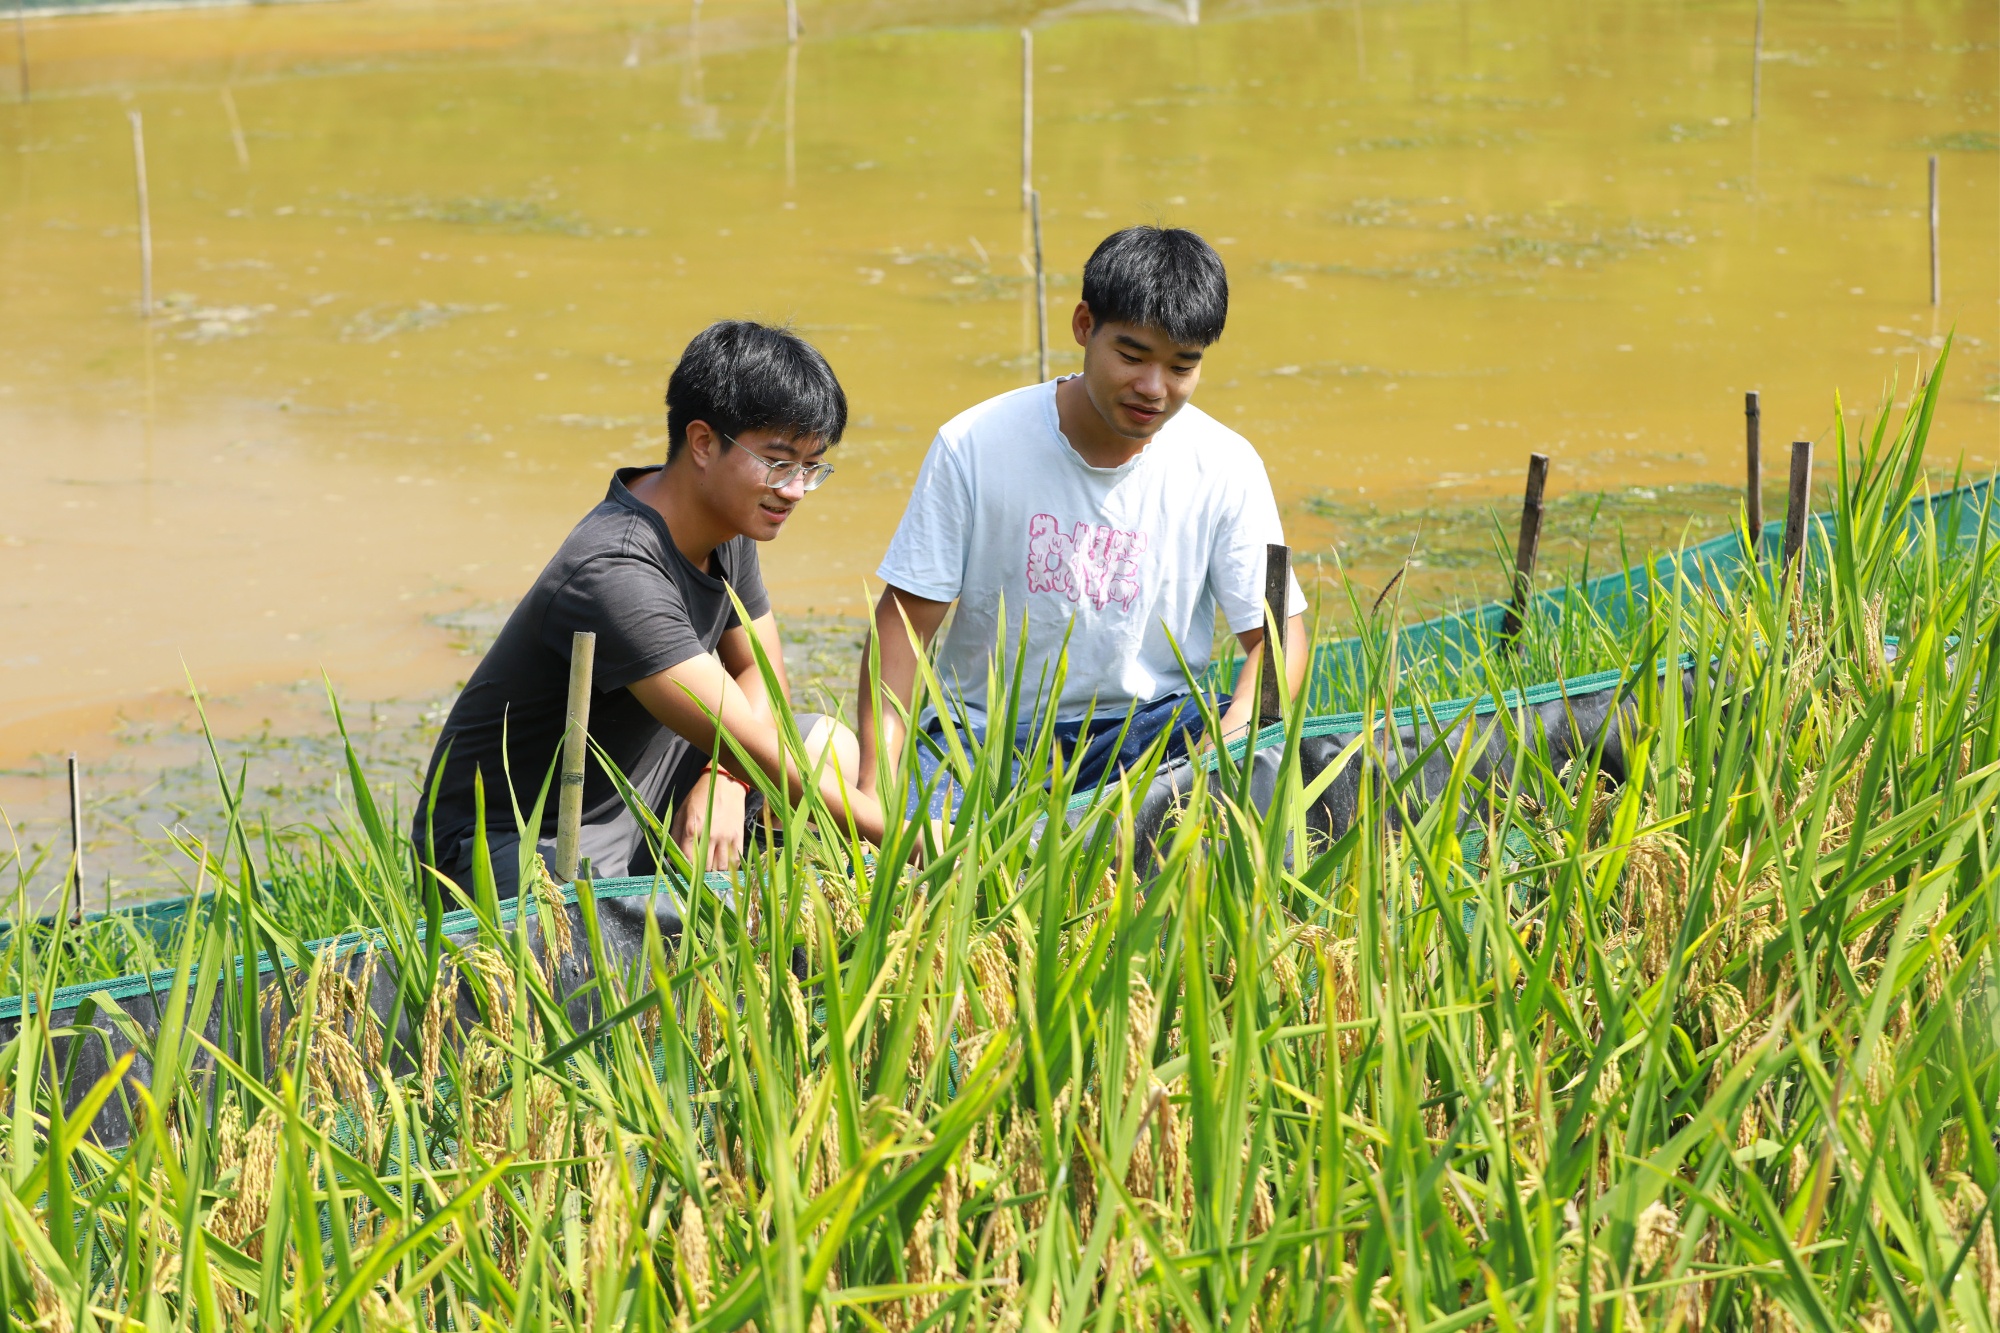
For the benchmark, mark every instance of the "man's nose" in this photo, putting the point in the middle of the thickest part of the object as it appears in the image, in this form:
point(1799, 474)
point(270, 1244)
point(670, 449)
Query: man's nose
point(794, 488)
point(1151, 381)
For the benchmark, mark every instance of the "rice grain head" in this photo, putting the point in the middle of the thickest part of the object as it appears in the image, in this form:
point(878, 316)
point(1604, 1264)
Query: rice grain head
point(1658, 1228)
point(692, 1241)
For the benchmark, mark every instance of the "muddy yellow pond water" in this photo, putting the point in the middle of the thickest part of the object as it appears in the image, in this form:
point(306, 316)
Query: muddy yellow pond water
point(419, 271)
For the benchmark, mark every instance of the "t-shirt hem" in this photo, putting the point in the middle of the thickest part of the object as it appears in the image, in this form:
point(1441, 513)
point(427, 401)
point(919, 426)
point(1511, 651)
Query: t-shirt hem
point(934, 592)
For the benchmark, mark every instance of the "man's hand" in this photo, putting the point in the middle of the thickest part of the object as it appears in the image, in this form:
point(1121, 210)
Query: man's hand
point(711, 820)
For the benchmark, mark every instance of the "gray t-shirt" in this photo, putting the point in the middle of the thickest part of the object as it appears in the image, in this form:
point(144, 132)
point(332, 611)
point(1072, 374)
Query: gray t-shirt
point(620, 575)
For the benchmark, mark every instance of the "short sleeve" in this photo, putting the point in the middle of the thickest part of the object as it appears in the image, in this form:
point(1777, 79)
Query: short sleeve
point(927, 555)
point(1248, 524)
point(637, 613)
point(745, 576)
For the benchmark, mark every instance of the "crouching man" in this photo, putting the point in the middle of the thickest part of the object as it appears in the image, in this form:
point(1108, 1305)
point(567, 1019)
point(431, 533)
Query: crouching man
point(751, 414)
point(1110, 511)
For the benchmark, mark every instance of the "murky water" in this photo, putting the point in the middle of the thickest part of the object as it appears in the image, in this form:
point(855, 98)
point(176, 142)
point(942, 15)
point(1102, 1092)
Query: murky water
point(420, 270)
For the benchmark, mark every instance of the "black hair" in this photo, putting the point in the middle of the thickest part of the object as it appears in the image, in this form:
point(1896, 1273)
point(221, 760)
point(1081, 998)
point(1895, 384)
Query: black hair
point(738, 375)
point(1164, 278)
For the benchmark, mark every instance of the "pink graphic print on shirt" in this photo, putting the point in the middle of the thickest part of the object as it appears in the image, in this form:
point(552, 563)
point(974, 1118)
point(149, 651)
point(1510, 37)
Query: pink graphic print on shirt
point(1093, 564)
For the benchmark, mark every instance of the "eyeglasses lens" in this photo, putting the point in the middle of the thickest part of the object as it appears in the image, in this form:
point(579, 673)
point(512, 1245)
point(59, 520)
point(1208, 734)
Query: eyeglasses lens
point(782, 475)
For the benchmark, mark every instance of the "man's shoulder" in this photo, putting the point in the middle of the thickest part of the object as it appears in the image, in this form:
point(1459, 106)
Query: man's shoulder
point(609, 528)
point(1003, 414)
point(1212, 443)
point(609, 542)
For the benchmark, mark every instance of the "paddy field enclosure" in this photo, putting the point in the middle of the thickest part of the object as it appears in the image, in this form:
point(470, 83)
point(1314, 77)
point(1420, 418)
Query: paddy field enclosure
point(1705, 1041)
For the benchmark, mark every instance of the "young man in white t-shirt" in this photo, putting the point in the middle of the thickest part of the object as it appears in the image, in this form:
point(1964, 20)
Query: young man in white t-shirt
point(1109, 511)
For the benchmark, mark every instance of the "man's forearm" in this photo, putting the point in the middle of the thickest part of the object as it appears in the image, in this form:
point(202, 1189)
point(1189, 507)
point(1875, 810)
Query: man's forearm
point(1241, 714)
point(904, 627)
point(881, 731)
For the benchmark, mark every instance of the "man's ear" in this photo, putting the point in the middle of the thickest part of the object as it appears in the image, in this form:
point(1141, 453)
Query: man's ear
point(703, 443)
point(1082, 323)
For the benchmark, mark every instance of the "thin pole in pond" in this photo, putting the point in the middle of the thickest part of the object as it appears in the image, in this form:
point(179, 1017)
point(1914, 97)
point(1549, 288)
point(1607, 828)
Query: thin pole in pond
point(791, 115)
point(1027, 115)
point(236, 138)
point(1527, 549)
point(1041, 292)
point(1797, 497)
point(791, 20)
point(1277, 586)
point(21, 43)
point(1937, 283)
point(576, 748)
point(1757, 64)
point(76, 832)
point(145, 217)
point(1753, 457)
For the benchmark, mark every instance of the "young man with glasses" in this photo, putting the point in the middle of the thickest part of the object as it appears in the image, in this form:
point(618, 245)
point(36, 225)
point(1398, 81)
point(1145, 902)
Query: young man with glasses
point(751, 413)
point(1105, 510)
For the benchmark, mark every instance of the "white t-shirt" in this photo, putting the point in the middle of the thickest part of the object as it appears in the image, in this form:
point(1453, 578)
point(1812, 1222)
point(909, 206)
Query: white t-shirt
point(1126, 562)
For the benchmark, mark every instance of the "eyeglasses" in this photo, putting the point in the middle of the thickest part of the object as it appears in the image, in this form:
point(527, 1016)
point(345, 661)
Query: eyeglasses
point(778, 473)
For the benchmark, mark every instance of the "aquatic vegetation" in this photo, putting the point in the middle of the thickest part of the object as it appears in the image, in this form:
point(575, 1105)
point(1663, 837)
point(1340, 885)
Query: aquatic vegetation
point(1713, 1048)
point(376, 323)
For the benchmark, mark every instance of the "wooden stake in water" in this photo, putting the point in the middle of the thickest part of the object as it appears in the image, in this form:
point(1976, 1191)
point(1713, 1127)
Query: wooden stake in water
point(1757, 64)
point(1527, 549)
point(1277, 587)
point(1027, 115)
point(1753, 457)
point(576, 748)
point(791, 20)
point(1937, 284)
point(1796, 499)
point(791, 116)
point(1041, 292)
point(76, 832)
point(235, 129)
point(145, 217)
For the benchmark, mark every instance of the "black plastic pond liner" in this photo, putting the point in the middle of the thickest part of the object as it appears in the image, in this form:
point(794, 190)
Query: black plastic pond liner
point(1412, 751)
point(100, 1017)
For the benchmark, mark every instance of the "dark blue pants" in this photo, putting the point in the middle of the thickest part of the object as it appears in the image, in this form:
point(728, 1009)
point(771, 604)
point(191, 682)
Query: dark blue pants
point(1109, 747)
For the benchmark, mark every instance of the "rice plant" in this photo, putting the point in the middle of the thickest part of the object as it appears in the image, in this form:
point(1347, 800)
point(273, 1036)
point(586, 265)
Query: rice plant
point(1713, 1048)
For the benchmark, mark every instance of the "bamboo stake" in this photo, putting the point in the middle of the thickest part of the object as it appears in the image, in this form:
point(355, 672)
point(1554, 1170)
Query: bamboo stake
point(1027, 115)
point(1041, 292)
point(576, 747)
point(1757, 65)
point(235, 128)
point(1796, 499)
point(1277, 587)
point(1527, 549)
point(21, 43)
point(791, 20)
point(791, 115)
point(1753, 457)
point(145, 217)
point(1937, 286)
point(76, 832)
